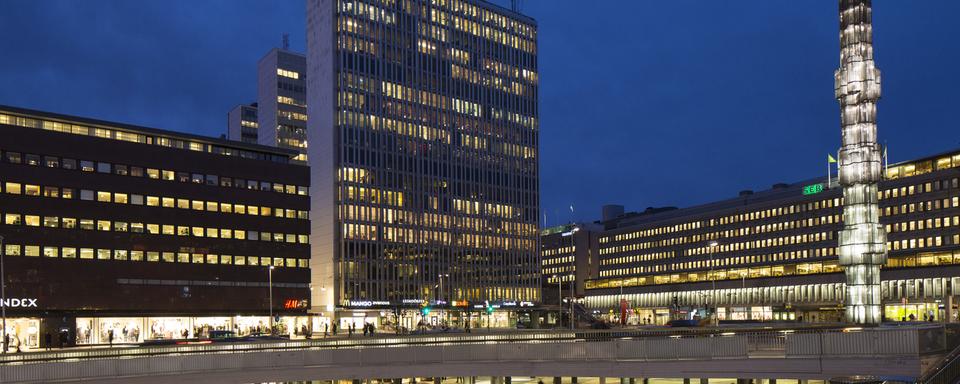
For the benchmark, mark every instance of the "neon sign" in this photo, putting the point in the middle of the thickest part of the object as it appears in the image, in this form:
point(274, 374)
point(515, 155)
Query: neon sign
point(812, 189)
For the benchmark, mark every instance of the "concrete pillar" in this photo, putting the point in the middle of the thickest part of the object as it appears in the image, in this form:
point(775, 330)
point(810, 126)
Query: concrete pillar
point(949, 311)
point(573, 379)
point(436, 380)
point(603, 380)
point(704, 381)
point(557, 380)
point(624, 380)
point(686, 380)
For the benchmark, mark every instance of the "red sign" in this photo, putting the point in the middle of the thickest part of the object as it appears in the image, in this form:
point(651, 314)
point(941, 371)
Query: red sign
point(294, 304)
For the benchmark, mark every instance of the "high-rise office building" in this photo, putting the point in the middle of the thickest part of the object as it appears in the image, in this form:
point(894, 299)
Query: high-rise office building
point(423, 131)
point(282, 101)
point(242, 123)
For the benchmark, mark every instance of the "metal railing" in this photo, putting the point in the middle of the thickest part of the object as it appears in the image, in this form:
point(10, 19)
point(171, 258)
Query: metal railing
point(582, 346)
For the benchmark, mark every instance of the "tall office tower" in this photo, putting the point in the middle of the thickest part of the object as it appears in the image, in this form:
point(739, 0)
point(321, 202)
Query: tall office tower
point(862, 246)
point(424, 125)
point(282, 100)
point(242, 123)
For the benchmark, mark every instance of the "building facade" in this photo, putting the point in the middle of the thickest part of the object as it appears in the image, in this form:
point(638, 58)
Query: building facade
point(424, 146)
point(282, 101)
point(569, 256)
point(242, 123)
point(772, 255)
point(120, 233)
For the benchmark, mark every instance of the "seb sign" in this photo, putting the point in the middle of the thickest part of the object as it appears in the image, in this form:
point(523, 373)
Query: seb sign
point(19, 303)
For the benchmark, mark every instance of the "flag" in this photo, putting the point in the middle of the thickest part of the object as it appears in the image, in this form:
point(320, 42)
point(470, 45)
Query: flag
point(571, 208)
point(830, 159)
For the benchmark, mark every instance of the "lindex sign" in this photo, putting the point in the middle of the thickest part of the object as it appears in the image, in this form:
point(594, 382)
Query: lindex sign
point(19, 303)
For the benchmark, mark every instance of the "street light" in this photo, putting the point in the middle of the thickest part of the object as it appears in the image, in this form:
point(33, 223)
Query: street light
point(573, 273)
point(3, 296)
point(713, 278)
point(270, 277)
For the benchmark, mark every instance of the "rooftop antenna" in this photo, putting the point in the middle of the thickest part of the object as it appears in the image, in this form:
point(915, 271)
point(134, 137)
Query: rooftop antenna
point(515, 5)
point(286, 41)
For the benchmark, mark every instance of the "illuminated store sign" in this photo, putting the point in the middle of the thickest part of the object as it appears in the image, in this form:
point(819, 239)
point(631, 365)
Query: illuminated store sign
point(19, 303)
point(813, 189)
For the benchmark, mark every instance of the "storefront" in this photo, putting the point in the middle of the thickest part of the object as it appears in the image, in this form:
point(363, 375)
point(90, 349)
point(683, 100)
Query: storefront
point(914, 312)
point(23, 334)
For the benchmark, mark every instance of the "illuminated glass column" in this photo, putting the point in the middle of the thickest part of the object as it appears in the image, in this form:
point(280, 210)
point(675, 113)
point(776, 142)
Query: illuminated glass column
point(862, 241)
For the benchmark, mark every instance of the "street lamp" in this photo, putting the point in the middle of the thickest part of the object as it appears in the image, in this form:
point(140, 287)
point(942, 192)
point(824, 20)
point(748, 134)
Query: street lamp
point(573, 273)
point(270, 277)
point(3, 296)
point(713, 278)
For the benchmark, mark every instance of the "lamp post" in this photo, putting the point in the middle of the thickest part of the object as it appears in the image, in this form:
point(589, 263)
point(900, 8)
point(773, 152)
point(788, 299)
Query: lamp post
point(270, 279)
point(3, 296)
point(573, 273)
point(713, 278)
point(440, 296)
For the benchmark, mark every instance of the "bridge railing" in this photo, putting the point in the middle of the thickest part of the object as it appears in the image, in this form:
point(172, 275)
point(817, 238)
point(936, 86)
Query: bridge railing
point(668, 343)
point(742, 346)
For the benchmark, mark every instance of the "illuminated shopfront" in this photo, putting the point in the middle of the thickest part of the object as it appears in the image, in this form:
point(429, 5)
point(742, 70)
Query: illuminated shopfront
point(23, 333)
point(914, 312)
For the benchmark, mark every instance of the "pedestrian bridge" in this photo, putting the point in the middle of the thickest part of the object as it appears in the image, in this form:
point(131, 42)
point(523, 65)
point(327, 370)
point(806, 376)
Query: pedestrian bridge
point(801, 353)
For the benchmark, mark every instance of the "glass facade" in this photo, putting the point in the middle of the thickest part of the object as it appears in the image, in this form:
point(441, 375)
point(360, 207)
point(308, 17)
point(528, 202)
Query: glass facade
point(424, 146)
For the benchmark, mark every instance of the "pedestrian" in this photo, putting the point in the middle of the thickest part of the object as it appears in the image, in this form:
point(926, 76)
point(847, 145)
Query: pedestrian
point(48, 340)
point(325, 329)
point(365, 329)
point(334, 329)
point(110, 337)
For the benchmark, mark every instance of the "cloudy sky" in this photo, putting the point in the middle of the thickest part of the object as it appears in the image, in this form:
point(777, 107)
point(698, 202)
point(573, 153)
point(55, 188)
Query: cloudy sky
point(643, 103)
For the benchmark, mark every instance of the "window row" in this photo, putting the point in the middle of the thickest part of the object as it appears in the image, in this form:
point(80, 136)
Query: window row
point(142, 138)
point(150, 256)
point(152, 229)
point(152, 173)
point(150, 201)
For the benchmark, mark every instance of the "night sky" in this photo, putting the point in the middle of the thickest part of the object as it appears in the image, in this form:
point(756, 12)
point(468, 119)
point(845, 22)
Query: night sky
point(643, 103)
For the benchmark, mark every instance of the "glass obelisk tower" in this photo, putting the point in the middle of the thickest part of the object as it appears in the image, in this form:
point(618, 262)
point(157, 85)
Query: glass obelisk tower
point(862, 240)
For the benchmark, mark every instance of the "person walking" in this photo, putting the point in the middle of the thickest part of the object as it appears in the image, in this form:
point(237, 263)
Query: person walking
point(110, 337)
point(325, 328)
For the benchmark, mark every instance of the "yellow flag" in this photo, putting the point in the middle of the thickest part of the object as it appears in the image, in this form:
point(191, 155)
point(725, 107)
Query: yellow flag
point(830, 159)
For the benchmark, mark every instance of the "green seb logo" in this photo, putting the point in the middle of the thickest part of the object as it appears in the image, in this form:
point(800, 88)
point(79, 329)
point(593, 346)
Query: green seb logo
point(813, 189)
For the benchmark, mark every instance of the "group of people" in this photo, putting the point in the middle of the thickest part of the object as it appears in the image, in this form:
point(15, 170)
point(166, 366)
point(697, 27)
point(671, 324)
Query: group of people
point(368, 329)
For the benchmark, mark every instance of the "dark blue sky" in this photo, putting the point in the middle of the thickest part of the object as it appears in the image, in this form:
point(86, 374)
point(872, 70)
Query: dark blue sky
point(643, 103)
